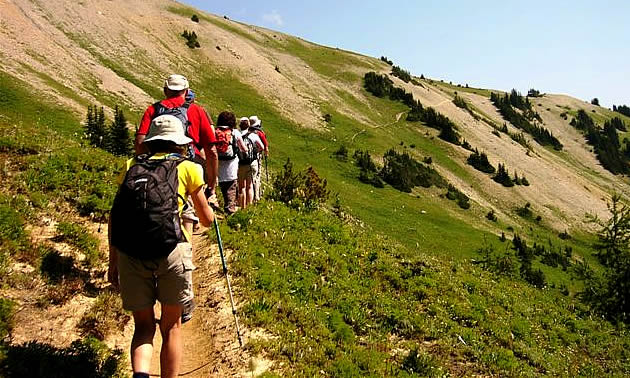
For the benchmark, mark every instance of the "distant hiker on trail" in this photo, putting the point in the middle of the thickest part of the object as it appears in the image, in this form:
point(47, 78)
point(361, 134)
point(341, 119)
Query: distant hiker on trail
point(150, 254)
point(256, 124)
point(195, 120)
point(229, 143)
point(248, 166)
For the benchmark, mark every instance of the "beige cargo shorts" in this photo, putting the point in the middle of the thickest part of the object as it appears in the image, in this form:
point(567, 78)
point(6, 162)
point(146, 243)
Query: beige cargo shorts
point(166, 279)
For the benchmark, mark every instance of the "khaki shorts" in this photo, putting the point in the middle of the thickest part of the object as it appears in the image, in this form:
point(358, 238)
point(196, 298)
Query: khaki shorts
point(167, 279)
point(248, 171)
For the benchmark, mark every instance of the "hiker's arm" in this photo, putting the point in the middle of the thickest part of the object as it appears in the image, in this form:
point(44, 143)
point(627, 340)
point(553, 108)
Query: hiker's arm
point(240, 144)
point(139, 145)
point(204, 212)
point(212, 165)
point(141, 133)
point(112, 270)
point(263, 138)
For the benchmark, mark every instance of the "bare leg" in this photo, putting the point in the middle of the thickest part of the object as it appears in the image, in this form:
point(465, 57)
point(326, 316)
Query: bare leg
point(171, 353)
point(142, 342)
point(250, 190)
point(242, 192)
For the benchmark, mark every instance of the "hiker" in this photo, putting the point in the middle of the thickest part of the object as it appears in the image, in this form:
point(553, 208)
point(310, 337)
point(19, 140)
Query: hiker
point(150, 254)
point(248, 165)
point(196, 121)
point(229, 143)
point(256, 124)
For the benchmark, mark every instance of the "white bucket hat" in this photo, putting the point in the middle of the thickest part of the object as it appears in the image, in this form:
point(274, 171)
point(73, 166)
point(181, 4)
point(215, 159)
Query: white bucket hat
point(167, 127)
point(254, 121)
point(176, 83)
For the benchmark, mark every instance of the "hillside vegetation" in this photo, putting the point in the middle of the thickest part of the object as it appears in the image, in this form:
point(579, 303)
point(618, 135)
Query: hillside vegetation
point(418, 264)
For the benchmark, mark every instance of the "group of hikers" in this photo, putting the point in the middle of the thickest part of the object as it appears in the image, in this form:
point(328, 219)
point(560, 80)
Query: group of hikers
point(164, 191)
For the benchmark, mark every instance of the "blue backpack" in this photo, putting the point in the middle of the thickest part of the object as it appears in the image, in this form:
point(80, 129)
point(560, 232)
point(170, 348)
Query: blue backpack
point(181, 113)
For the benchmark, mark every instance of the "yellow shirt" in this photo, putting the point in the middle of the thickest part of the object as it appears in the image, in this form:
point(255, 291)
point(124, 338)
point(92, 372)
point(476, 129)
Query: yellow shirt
point(190, 177)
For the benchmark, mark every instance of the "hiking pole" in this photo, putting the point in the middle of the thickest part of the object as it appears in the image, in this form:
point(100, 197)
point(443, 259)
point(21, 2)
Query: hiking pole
point(266, 169)
point(227, 278)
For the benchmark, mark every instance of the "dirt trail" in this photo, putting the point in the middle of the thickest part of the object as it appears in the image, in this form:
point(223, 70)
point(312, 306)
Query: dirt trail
point(385, 125)
point(210, 344)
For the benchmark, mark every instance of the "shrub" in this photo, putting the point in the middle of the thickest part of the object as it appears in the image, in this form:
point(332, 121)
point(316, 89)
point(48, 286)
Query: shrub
point(455, 195)
point(480, 162)
point(364, 161)
point(77, 236)
point(404, 173)
point(194, 18)
point(420, 364)
point(609, 291)
point(533, 93)
point(524, 211)
point(341, 153)
point(56, 267)
point(327, 118)
point(384, 59)
point(466, 145)
point(105, 315)
point(298, 189)
point(491, 216)
point(7, 307)
point(314, 189)
point(595, 101)
point(506, 104)
point(191, 39)
point(502, 176)
point(83, 357)
point(401, 74)
point(372, 178)
point(286, 184)
point(14, 240)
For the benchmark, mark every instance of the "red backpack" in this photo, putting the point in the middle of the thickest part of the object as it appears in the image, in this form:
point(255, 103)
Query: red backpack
point(226, 145)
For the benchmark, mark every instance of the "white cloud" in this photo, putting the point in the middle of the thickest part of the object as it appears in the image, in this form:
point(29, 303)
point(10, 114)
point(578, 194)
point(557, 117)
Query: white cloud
point(273, 18)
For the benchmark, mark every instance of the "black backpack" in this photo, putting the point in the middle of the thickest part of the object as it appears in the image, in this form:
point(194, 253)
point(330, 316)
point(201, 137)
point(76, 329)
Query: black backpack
point(145, 219)
point(181, 113)
point(249, 155)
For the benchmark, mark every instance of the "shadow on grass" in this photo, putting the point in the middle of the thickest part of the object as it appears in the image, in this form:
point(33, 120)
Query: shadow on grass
point(87, 357)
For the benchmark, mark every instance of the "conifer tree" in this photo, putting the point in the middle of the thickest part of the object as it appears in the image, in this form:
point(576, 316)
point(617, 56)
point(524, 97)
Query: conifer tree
point(502, 176)
point(119, 140)
point(95, 126)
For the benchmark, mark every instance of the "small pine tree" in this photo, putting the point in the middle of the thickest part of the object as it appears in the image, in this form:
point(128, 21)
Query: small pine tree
point(119, 140)
point(502, 176)
point(524, 181)
point(95, 126)
point(516, 180)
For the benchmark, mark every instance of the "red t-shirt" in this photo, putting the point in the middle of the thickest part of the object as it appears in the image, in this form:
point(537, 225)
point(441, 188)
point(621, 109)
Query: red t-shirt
point(200, 129)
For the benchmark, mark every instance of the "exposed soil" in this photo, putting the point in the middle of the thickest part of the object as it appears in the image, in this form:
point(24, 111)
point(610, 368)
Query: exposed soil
point(211, 347)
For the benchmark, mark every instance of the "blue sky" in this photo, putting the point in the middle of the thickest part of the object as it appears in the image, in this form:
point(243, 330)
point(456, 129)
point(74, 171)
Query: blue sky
point(580, 48)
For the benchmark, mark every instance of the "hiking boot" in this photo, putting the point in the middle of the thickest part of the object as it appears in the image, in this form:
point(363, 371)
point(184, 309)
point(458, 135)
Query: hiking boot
point(187, 311)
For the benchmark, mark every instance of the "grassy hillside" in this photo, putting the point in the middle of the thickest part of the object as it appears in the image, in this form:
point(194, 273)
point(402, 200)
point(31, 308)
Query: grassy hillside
point(397, 288)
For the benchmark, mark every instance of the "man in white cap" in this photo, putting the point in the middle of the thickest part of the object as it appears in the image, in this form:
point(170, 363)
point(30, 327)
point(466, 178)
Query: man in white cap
point(255, 124)
point(195, 120)
point(150, 255)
